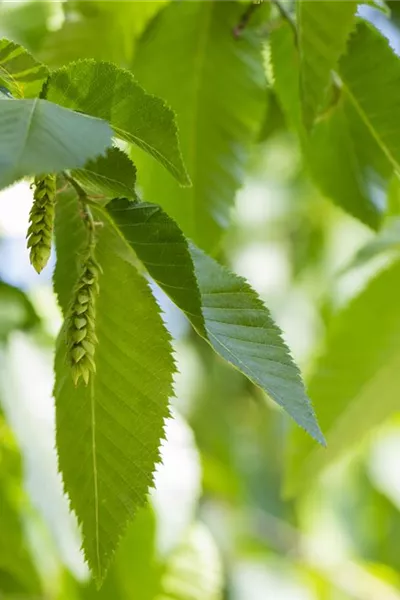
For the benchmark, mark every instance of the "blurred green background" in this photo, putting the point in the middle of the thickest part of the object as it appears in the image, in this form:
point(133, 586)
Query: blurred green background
point(219, 525)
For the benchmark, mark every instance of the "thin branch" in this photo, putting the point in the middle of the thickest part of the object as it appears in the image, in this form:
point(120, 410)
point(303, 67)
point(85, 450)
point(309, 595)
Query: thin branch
point(285, 14)
point(86, 212)
point(245, 18)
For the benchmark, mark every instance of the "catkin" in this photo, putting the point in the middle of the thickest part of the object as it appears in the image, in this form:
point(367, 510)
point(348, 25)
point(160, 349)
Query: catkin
point(81, 336)
point(41, 220)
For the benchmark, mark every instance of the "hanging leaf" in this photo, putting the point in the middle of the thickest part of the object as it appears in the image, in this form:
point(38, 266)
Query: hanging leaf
point(329, 151)
point(109, 432)
point(373, 90)
point(37, 136)
point(323, 29)
point(222, 306)
point(20, 73)
point(215, 83)
point(104, 91)
point(355, 382)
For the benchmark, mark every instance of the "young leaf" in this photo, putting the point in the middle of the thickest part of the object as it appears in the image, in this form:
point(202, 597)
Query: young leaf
point(323, 29)
point(221, 306)
point(355, 383)
point(216, 85)
point(20, 73)
point(103, 90)
point(329, 151)
point(37, 136)
point(109, 432)
point(374, 90)
point(108, 176)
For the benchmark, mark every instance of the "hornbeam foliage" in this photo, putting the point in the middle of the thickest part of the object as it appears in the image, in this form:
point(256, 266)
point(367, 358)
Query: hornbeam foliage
point(226, 74)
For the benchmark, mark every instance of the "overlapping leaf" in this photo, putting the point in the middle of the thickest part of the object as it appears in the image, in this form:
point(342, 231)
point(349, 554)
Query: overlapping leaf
point(108, 433)
point(222, 306)
point(103, 90)
point(323, 29)
point(120, 24)
point(109, 176)
point(37, 136)
point(355, 382)
point(20, 73)
point(329, 151)
point(215, 84)
point(374, 90)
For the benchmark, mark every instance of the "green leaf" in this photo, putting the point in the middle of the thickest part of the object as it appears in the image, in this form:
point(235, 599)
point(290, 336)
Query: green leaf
point(108, 176)
point(240, 328)
point(120, 23)
point(109, 432)
point(216, 85)
point(19, 71)
point(37, 136)
point(373, 90)
point(356, 380)
point(228, 313)
point(336, 169)
point(103, 90)
point(329, 151)
point(323, 29)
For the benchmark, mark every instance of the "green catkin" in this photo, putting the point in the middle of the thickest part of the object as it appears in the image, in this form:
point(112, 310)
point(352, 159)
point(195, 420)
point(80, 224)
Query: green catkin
point(41, 220)
point(81, 336)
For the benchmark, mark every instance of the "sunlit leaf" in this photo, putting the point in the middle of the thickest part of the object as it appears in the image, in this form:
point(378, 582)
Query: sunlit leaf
point(373, 90)
point(323, 29)
point(215, 83)
point(20, 73)
point(109, 432)
point(329, 152)
point(104, 91)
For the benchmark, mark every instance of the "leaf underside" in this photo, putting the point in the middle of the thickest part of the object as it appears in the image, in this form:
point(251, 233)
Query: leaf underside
point(221, 306)
point(37, 136)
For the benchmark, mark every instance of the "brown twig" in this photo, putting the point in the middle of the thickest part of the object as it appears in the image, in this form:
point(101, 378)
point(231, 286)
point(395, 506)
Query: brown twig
point(245, 18)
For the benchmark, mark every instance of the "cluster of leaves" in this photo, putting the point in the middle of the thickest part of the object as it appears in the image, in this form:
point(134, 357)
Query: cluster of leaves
point(323, 66)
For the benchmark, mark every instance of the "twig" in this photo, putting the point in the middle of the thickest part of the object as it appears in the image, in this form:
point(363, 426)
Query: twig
point(86, 212)
point(245, 18)
point(285, 15)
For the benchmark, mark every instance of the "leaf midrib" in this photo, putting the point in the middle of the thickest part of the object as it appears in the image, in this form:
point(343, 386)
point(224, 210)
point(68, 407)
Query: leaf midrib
point(28, 129)
point(371, 128)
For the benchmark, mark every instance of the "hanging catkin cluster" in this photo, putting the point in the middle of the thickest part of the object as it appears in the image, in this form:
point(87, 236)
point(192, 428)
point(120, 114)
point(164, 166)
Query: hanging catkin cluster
point(41, 220)
point(81, 336)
